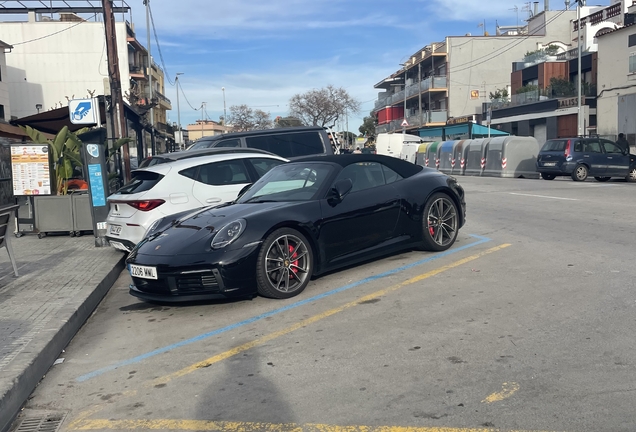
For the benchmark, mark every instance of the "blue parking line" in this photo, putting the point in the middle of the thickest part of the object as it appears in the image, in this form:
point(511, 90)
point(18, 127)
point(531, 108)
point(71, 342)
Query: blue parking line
point(139, 358)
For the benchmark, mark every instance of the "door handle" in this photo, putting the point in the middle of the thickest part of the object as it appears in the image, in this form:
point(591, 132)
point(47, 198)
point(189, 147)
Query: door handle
point(586, 155)
point(213, 200)
point(609, 157)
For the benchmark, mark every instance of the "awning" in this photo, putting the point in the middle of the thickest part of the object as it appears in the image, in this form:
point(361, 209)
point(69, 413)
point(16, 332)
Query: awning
point(480, 131)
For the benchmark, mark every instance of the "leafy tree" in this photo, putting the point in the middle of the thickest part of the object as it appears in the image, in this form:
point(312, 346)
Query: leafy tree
point(285, 122)
point(499, 94)
point(528, 88)
point(244, 118)
point(322, 107)
point(561, 87)
point(368, 126)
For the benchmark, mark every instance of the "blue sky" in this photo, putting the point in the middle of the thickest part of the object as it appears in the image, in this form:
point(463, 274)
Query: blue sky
point(265, 52)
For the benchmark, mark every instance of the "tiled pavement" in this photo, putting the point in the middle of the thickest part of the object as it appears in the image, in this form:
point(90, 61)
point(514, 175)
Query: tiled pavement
point(62, 279)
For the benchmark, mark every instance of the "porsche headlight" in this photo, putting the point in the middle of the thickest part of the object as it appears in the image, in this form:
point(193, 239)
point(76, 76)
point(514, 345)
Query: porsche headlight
point(228, 233)
point(153, 227)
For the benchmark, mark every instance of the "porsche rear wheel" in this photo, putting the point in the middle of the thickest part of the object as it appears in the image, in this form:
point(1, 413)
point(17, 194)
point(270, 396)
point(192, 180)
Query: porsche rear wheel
point(285, 264)
point(440, 223)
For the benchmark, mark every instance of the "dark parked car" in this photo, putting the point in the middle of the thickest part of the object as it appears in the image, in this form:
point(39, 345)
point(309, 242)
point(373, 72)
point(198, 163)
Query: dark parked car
point(300, 219)
point(171, 157)
point(583, 157)
point(286, 142)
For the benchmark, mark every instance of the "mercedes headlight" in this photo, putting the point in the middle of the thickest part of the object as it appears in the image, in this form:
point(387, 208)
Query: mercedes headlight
point(228, 233)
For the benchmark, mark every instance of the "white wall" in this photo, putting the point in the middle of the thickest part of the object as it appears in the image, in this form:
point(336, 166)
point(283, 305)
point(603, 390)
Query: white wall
point(60, 65)
point(614, 80)
point(4, 87)
point(484, 63)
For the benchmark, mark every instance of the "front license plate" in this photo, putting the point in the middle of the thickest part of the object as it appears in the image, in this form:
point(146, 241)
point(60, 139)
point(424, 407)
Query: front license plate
point(549, 163)
point(143, 272)
point(115, 229)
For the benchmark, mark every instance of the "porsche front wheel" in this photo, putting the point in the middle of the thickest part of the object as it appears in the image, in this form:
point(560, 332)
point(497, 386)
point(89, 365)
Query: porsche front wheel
point(285, 264)
point(440, 223)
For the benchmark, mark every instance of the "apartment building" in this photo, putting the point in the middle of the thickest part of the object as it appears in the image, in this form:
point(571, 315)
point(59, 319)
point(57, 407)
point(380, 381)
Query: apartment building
point(60, 54)
point(616, 103)
point(446, 82)
point(543, 96)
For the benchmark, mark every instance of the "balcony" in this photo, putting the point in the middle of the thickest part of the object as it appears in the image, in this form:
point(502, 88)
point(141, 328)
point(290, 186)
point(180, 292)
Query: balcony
point(137, 72)
point(542, 95)
point(164, 102)
point(429, 118)
point(437, 83)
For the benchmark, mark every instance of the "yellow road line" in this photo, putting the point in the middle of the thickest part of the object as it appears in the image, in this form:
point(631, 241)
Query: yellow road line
point(220, 426)
point(507, 390)
point(241, 348)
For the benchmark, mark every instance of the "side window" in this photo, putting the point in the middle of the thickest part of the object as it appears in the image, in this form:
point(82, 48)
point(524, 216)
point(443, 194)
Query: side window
point(578, 146)
point(190, 173)
point(610, 147)
point(592, 147)
point(390, 176)
point(228, 143)
point(262, 165)
point(288, 144)
point(223, 173)
point(363, 175)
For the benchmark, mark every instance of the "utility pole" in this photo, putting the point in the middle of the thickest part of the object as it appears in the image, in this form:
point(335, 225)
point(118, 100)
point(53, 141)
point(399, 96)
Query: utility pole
point(117, 101)
point(419, 96)
point(176, 84)
point(152, 111)
point(579, 117)
point(202, 111)
point(224, 112)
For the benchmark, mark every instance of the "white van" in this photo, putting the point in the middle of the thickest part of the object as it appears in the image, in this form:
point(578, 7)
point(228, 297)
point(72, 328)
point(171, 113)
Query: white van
point(390, 144)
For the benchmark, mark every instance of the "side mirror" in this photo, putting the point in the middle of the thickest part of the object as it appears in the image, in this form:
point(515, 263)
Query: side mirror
point(340, 190)
point(245, 188)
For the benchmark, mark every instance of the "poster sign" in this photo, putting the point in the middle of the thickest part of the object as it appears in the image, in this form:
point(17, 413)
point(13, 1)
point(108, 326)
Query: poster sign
point(97, 185)
point(31, 169)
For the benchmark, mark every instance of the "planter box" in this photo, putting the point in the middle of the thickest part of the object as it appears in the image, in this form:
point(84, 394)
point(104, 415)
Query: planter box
point(63, 213)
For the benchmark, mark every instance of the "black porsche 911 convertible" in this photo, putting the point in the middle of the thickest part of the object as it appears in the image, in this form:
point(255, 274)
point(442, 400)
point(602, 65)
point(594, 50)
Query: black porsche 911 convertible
point(300, 219)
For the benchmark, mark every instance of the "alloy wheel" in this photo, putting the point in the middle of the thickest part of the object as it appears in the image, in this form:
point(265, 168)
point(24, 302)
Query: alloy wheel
point(442, 221)
point(287, 263)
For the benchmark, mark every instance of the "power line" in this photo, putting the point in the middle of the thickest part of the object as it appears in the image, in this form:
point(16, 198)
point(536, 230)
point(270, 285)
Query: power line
point(185, 97)
point(501, 50)
point(154, 30)
point(53, 34)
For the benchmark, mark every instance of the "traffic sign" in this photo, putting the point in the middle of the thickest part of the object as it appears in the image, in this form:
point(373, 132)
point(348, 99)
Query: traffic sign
point(405, 123)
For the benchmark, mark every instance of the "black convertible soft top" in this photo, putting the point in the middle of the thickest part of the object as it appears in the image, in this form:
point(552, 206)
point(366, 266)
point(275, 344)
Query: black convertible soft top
point(403, 168)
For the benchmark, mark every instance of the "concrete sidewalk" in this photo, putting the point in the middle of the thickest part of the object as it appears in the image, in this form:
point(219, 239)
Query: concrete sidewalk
point(62, 279)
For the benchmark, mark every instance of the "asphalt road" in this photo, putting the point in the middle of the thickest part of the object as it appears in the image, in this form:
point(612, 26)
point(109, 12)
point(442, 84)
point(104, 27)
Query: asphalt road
point(526, 324)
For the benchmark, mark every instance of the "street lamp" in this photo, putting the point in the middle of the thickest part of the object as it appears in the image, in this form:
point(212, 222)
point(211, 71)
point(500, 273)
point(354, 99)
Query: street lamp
point(38, 107)
point(202, 114)
point(176, 83)
point(224, 112)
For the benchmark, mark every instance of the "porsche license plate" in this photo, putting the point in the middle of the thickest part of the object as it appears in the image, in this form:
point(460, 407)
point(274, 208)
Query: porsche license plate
point(143, 272)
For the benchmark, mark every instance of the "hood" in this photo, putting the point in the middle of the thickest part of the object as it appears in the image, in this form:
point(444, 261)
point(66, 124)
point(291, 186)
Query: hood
point(194, 234)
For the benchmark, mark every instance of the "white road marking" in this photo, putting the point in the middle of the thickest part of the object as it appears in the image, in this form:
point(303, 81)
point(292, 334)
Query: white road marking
point(544, 196)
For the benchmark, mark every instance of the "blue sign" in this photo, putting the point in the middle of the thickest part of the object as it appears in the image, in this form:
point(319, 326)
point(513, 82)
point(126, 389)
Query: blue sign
point(93, 150)
point(97, 185)
point(83, 111)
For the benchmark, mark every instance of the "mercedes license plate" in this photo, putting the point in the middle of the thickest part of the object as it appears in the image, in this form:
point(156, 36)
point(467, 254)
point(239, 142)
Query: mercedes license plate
point(143, 272)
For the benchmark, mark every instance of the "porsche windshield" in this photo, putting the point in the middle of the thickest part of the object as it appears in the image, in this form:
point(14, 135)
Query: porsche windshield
point(290, 182)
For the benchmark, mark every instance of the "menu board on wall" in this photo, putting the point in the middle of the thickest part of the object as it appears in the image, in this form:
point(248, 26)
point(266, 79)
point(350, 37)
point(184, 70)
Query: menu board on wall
point(31, 169)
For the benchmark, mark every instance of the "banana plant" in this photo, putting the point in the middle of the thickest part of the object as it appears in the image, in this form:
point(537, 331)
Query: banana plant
point(65, 148)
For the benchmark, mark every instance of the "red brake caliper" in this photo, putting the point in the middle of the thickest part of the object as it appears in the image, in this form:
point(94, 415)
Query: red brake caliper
point(431, 230)
point(295, 263)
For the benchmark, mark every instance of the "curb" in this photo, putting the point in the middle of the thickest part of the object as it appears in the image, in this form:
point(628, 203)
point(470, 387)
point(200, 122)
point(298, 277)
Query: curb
point(23, 385)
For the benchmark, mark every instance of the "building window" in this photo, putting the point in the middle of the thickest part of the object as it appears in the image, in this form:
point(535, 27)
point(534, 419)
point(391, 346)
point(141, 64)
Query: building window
point(2, 112)
point(632, 62)
point(631, 41)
